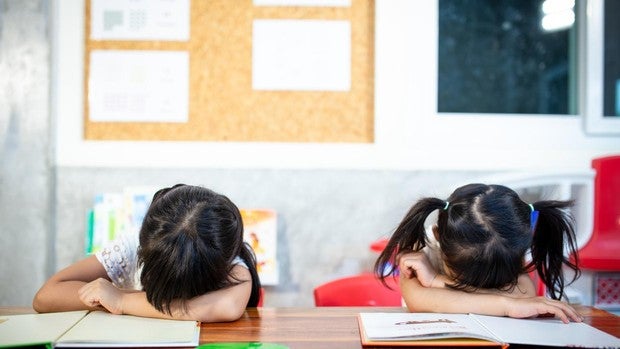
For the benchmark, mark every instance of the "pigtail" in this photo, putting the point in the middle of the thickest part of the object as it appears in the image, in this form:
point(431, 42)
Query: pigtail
point(553, 232)
point(248, 257)
point(410, 235)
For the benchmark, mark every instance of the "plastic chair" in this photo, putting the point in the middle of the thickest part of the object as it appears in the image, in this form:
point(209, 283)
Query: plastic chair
point(378, 245)
point(602, 251)
point(261, 297)
point(363, 290)
point(541, 288)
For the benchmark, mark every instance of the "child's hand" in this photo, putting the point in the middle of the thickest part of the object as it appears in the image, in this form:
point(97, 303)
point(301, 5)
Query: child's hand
point(541, 306)
point(102, 292)
point(416, 264)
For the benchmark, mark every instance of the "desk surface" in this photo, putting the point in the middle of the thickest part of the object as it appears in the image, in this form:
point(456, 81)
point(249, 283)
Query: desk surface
point(331, 327)
point(324, 327)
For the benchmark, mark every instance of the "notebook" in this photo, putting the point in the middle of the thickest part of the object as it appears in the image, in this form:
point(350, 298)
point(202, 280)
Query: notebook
point(437, 329)
point(95, 329)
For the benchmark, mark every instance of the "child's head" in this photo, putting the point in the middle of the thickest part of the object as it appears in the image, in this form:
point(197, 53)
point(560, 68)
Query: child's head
point(484, 233)
point(188, 240)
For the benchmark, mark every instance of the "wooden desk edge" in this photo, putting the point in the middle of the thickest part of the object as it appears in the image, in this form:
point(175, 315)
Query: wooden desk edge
point(598, 318)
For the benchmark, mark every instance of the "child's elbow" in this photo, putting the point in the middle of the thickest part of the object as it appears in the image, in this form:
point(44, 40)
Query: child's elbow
point(226, 311)
point(39, 303)
point(416, 306)
point(232, 314)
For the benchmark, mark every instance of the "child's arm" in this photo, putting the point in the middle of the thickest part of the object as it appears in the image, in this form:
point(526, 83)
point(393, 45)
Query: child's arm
point(60, 292)
point(443, 300)
point(417, 264)
point(222, 305)
point(423, 291)
point(524, 289)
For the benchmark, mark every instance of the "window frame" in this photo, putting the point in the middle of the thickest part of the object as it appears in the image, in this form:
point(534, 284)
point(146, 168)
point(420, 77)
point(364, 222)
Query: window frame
point(595, 122)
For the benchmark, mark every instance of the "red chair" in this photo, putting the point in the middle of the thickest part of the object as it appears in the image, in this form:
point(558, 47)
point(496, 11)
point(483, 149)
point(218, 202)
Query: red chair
point(378, 245)
point(261, 297)
point(359, 290)
point(602, 252)
point(541, 288)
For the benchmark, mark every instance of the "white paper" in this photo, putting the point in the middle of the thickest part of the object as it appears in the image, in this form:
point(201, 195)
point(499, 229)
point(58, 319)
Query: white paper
point(140, 20)
point(102, 329)
point(421, 326)
point(310, 55)
point(551, 332)
point(308, 3)
point(538, 332)
point(138, 86)
point(36, 329)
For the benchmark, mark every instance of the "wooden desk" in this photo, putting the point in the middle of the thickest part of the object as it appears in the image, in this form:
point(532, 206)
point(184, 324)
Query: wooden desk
point(326, 327)
point(331, 327)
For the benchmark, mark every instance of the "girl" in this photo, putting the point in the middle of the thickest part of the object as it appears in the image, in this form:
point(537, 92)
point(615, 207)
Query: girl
point(483, 233)
point(189, 262)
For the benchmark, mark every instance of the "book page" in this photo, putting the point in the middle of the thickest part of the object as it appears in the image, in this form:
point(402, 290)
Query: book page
point(101, 329)
point(36, 329)
point(547, 331)
point(419, 326)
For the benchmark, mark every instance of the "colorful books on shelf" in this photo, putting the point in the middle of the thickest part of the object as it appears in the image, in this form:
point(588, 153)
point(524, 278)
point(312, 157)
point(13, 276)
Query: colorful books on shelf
point(437, 329)
point(95, 329)
point(115, 213)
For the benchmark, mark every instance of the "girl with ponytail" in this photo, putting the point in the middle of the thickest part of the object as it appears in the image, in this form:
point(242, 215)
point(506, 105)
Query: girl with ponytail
point(475, 262)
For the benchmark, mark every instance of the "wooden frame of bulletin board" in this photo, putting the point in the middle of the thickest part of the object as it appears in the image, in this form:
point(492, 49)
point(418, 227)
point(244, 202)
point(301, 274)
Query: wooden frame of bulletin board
point(222, 104)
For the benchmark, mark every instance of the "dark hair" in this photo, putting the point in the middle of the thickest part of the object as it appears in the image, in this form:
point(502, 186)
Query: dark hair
point(188, 241)
point(484, 233)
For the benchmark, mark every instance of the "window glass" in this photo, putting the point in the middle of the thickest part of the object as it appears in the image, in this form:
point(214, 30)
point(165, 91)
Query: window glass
point(510, 56)
point(612, 59)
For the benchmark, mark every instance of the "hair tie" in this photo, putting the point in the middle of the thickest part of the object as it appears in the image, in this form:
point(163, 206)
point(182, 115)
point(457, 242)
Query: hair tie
point(533, 217)
point(446, 207)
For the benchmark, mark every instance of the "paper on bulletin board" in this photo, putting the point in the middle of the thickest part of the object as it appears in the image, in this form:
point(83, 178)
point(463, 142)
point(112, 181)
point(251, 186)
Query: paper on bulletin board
point(304, 55)
point(308, 3)
point(138, 86)
point(140, 20)
point(260, 231)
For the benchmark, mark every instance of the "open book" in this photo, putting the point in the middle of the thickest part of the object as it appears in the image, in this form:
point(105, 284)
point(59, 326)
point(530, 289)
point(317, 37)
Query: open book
point(437, 329)
point(95, 329)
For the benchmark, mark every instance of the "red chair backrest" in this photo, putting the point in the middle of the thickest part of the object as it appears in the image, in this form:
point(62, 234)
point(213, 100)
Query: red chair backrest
point(607, 196)
point(261, 297)
point(602, 252)
point(541, 288)
point(359, 290)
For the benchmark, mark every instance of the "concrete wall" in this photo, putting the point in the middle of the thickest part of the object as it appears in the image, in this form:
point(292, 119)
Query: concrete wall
point(26, 177)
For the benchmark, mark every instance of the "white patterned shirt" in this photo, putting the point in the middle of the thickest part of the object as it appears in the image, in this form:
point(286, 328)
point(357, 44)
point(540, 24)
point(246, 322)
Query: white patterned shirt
point(119, 258)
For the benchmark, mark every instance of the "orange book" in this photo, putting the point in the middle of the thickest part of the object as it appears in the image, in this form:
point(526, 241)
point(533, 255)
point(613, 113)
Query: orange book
point(455, 330)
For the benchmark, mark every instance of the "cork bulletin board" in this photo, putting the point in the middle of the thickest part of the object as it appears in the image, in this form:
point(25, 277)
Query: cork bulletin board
point(223, 106)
